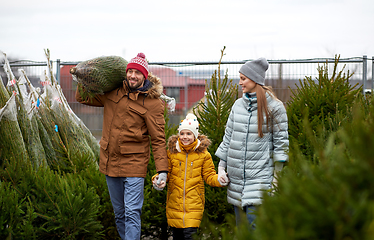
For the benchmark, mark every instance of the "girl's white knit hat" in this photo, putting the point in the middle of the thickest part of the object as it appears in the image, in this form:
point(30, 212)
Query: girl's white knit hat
point(190, 123)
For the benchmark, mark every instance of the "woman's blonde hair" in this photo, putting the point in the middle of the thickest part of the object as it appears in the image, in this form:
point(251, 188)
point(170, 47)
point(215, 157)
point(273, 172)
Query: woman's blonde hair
point(262, 106)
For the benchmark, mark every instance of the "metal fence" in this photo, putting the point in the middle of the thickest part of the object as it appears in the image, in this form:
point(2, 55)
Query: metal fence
point(185, 81)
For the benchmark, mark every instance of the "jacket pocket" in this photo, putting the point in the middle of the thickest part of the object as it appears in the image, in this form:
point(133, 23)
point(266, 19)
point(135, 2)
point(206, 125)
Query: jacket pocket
point(174, 198)
point(103, 144)
point(194, 200)
point(137, 109)
point(133, 148)
point(104, 155)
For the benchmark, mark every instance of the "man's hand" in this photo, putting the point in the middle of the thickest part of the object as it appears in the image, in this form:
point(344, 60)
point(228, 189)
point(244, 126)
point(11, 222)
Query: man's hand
point(160, 181)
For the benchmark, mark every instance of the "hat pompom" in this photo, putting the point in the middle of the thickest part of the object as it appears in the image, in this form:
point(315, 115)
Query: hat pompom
point(142, 55)
point(191, 116)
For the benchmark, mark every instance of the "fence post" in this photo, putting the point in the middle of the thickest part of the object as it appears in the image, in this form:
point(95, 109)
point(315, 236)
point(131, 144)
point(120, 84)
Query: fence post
point(185, 95)
point(364, 71)
point(372, 73)
point(58, 71)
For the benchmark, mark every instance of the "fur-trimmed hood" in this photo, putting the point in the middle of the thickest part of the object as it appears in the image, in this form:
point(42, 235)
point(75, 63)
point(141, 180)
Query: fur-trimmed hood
point(204, 144)
point(154, 91)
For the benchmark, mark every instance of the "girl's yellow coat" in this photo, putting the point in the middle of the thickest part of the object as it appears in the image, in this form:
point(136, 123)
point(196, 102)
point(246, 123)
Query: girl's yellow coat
point(185, 193)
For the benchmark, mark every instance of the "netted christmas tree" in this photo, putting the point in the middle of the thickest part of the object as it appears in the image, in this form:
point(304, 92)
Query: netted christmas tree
point(70, 139)
point(27, 120)
point(12, 145)
point(99, 75)
point(51, 202)
point(50, 131)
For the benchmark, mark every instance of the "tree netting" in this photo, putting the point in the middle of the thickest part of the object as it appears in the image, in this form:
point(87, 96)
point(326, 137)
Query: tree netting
point(73, 138)
point(38, 126)
point(104, 74)
point(27, 122)
point(99, 75)
point(12, 146)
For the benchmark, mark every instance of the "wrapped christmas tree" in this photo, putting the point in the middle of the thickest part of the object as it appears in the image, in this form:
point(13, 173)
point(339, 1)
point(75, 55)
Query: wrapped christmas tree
point(79, 147)
point(12, 146)
point(99, 75)
point(104, 74)
point(41, 129)
point(26, 122)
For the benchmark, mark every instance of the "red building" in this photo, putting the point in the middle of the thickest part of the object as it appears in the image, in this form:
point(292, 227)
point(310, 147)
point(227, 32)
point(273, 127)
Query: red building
point(187, 91)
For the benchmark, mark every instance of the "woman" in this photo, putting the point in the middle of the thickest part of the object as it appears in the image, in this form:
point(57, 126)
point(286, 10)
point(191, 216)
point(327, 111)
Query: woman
point(255, 141)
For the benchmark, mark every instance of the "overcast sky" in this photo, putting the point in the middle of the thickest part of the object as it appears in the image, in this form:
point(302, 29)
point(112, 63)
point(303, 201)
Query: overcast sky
point(190, 30)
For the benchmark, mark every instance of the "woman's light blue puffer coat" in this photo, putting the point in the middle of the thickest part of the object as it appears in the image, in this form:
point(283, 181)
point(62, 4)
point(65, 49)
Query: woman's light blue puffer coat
point(250, 159)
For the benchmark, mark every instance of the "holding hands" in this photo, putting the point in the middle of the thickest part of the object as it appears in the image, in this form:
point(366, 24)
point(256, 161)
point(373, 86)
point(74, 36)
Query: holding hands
point(222, 175)
point(159, 182)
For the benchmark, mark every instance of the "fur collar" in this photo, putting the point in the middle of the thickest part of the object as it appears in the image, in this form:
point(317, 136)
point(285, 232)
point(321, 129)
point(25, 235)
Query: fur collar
point(203, 146)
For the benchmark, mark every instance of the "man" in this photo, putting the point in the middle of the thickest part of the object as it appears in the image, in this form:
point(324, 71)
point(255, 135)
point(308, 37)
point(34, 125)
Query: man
point(133, 117)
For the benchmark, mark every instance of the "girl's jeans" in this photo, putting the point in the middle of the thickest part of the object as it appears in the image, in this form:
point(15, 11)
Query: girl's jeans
point(126, 195)
point(247, 211)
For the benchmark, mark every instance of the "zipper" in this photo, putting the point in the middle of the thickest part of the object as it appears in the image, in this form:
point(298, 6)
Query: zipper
point(184, 191)
point(246, 144)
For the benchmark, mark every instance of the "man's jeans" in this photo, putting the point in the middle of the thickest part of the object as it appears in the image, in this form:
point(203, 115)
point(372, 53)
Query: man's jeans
point(248, 212)
point(127, 196)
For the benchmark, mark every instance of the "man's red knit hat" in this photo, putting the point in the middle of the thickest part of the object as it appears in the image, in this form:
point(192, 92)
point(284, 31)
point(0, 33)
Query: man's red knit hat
point(139, 63)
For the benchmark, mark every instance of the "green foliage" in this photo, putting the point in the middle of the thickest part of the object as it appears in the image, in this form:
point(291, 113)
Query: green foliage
point(329, 200)
point(11, 211)
point(59, 206)
point(330, 197)
point(95, 179)
point(325, 103)
point(212, 115)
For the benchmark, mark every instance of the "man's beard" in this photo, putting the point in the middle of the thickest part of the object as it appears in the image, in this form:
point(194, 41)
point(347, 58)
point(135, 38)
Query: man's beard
point(136, 85)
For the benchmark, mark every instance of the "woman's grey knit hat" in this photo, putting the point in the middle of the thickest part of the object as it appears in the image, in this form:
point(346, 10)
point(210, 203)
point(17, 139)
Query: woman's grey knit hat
point(255, 70)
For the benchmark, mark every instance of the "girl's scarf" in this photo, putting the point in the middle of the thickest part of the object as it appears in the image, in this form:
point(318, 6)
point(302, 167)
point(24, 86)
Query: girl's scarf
point(187, 148)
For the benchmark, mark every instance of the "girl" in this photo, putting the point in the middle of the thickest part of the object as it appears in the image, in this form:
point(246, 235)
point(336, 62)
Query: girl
point(256, 137)
point(189, 164)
